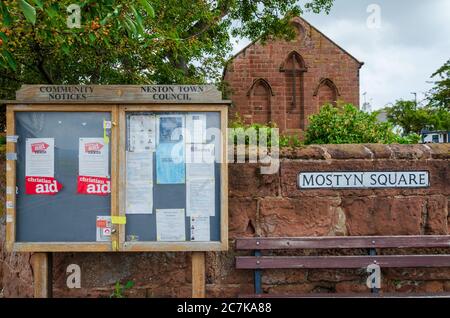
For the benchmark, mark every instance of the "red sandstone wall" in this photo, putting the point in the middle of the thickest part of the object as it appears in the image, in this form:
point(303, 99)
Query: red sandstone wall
point(323, 58)
point(273, 206)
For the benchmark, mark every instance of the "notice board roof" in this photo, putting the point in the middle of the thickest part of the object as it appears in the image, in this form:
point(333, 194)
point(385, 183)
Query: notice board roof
point(119, 94)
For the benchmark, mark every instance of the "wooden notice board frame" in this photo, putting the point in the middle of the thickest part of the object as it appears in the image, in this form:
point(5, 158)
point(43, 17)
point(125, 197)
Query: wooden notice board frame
point(176, 246)
point(11, 182)
point(33, 99)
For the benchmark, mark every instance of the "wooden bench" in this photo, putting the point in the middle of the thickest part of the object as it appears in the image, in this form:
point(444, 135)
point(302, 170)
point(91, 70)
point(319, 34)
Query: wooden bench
point(258, 262)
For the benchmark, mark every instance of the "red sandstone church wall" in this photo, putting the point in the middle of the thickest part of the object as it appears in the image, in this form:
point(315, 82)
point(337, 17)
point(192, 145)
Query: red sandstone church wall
point(323, 59)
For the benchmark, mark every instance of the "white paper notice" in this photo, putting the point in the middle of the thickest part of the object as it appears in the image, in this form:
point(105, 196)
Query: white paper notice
point(140, 167)
point(93, 157)
point(200, 197)
point(199, 171)
point(139, 193)
point(170, 225)
point(196, 127)
point(200, 228)
point(103, 228)
point(142, 133)
point(200, 161)
point(40, 157)
point(200, 153)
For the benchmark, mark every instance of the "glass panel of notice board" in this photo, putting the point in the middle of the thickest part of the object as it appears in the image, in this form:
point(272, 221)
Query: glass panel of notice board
point(173, 177)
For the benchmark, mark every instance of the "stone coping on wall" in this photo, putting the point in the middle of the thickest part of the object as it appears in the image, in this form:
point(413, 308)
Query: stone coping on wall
point(368, 151)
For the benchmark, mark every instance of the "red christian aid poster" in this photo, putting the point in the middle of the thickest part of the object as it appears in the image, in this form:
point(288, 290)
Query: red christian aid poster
point(93, 167)
point(42, 185)
point(94, 185)
point(40, 167)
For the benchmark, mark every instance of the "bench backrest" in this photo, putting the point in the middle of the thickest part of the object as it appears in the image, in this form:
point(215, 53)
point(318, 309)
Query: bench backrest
point(343, 242)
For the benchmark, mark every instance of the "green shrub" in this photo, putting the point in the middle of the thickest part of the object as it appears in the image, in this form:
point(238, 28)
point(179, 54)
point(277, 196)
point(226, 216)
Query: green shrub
point(345, 124)
point(290, 141)
point(238, 123)
point(412, 138)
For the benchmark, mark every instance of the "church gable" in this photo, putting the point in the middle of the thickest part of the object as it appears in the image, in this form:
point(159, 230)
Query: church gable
point(293, 78)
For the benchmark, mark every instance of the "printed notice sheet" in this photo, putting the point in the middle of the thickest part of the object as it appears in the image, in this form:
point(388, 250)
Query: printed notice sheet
point(170, 163)
point(93, 157)
point(40, 157)
point(196, 128)
point(142, 133)
point(170, 128)
point(200, 153)
point(199, 171)
point(103, 228)
point(139, 188)
point(170, 225)
point(200, 228)
point(199, 161)
point(200, 197)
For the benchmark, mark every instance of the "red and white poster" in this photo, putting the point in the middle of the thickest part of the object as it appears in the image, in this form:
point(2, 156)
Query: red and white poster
point(93, 167)
point(40, 157)
point(93, 185)
point(42, 185)
point(40, 167)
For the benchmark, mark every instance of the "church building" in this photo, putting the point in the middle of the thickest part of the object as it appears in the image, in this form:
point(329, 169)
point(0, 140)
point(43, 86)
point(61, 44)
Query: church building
point(284, 82)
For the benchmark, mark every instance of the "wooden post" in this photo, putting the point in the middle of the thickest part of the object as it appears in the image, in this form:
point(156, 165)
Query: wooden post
point(198, 275)
point(42, 274)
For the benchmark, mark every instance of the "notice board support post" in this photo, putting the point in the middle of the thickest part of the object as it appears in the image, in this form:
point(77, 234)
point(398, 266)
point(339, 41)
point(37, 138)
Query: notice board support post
point(42, 275)
point(198, 275)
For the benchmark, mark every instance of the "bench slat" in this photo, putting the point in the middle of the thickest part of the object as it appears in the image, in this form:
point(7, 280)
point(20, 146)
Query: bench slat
point(343, 242)
point(266, 262)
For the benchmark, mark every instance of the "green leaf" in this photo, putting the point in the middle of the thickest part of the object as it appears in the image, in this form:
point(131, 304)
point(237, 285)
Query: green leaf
point(7, 20)
point(140, 28)
point(130, 25)
point(10, 60)
point(3, 37)
point(65, 49)
point(116, 10)
point(29, 11)
point(129, 284)
point(106, 41)
point(39, 4)
point(105, 19)
point(92, 37)
point(137, 15)
point(51, 12)
point(148, 8)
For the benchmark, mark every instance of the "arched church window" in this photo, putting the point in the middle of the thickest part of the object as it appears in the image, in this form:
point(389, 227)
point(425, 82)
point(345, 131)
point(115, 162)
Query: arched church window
point(294, 67)
point(326, 93)
point(260, 95)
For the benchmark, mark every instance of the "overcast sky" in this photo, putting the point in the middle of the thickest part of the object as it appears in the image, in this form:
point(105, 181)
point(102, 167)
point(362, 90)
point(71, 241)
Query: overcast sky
point(412, 41)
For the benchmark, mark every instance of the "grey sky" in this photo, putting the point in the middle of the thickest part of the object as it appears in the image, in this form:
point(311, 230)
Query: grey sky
point(412, 42)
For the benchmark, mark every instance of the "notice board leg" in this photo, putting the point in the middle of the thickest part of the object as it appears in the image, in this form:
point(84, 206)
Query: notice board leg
point(42, 274)
point(198, 275)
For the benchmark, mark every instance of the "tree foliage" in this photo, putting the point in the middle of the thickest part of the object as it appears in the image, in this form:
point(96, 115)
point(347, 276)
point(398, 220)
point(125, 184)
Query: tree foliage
point(346, 124)
point(439, 96)
point(434, 114)
point(412, 118)
point(133, 41)
point(408, 115)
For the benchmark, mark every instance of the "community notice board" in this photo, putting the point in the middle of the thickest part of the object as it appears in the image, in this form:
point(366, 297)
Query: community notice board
point(113, 177)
